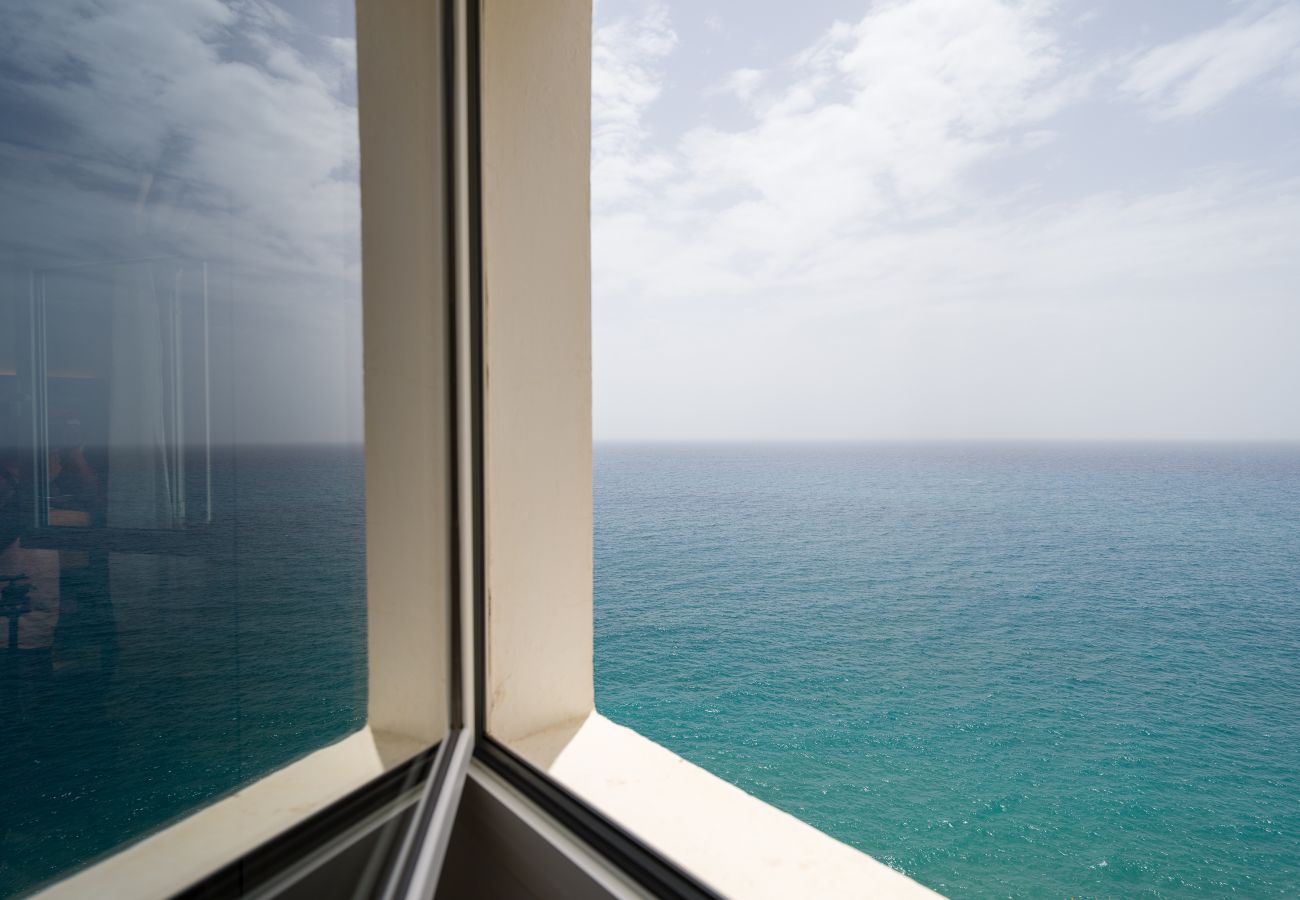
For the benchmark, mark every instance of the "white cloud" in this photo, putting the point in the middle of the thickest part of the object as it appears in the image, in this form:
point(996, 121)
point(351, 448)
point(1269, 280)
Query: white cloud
point(627, 58)
point(839, 268)
point(253, 135)
point(201, 130)
point(876, 119)
point(1199, 72)
point(886, 113)
point(1291, 80)
point(742, 83)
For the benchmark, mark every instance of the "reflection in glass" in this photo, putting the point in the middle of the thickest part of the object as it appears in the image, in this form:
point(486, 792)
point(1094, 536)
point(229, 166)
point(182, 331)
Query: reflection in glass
point(119, 355)
point(182, 600)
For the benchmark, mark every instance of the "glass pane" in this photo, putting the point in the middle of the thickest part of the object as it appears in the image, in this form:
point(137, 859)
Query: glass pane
point(947, 420)
point(141, 326)
point(181, 469)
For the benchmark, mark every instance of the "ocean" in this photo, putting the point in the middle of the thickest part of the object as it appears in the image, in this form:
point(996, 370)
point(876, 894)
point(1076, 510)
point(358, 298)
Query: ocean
point(173, 678)
point(1007, 670)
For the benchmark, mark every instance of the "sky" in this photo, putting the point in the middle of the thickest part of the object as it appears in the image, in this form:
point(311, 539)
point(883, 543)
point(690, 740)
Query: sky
point(217, 133)
point(946, 220)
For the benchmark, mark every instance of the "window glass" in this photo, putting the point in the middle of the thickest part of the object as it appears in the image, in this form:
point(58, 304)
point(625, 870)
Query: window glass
point(182, 586)
point(947, 464)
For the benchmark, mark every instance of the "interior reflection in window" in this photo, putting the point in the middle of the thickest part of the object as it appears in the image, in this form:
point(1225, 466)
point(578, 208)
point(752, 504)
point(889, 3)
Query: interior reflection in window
point(119, 357)
point(182, 602)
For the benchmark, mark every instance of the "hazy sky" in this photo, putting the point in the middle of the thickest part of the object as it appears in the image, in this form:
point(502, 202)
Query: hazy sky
point(218, 133)
point(946, 219)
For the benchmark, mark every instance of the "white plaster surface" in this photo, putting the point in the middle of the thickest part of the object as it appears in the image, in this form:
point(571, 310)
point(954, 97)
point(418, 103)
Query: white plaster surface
point(536, 131)
point(407, 390)
point(738, 844)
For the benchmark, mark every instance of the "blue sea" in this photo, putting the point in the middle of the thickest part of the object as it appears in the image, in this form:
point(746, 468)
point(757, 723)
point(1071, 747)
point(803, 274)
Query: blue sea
point(1007, 670)
point(177, 673)
point(1038, 670)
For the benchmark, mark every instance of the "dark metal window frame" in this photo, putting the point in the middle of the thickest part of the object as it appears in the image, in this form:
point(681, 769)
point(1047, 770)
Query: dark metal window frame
point(296, 851)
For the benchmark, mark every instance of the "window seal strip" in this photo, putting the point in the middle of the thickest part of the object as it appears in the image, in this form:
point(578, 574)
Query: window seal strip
point(474, 245)
point(455, 648)
point(415, 872)
point(642, 864)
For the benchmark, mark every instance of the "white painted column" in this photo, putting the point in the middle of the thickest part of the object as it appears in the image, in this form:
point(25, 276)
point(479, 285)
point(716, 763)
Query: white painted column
point(536, 126)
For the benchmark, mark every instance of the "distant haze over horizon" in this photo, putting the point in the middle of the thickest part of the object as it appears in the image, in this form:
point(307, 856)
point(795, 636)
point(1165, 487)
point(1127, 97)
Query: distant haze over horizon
point(946, 220)
point(953, 442)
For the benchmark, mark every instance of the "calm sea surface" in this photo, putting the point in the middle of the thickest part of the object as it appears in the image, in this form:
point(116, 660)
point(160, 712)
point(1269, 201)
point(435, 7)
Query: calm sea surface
point(1029, 671)
point(176, 675)
point(1038, 670)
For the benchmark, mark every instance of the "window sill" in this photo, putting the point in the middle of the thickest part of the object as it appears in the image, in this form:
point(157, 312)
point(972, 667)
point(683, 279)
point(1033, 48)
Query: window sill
point(735, 842)
point(172, 859)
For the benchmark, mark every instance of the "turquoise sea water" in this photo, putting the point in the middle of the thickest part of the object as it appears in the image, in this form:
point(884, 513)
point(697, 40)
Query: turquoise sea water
point(175, 675)
point(1008, 671)
point(1037, 670)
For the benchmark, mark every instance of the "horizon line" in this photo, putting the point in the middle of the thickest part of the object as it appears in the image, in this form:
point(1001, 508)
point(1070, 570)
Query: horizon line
point(946, 440)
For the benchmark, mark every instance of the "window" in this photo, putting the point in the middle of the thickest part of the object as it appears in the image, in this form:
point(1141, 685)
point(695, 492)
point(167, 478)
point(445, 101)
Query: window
point(183, 536)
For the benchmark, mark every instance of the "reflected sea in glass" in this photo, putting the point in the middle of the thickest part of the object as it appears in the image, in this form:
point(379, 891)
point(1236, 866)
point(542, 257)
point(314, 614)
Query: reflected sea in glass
point(180, 378)
point(1007, 670)
point(185, 676)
